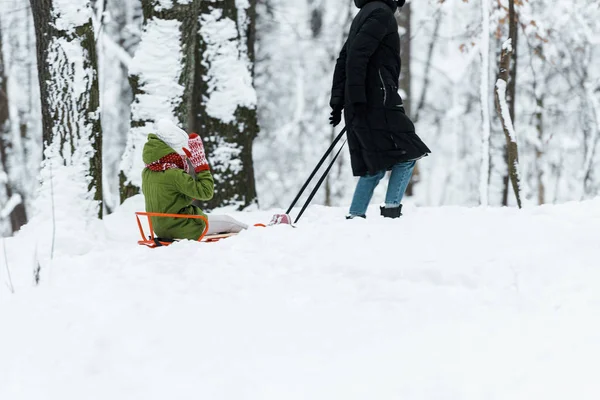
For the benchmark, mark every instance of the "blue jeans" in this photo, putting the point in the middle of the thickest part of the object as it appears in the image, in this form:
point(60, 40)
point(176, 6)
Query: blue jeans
point(399, 179)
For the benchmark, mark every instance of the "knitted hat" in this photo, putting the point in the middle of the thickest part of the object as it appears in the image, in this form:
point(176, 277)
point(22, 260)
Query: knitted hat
point(172, 135)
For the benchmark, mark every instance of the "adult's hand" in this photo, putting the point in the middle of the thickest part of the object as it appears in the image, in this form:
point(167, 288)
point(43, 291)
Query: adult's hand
point(336, 111)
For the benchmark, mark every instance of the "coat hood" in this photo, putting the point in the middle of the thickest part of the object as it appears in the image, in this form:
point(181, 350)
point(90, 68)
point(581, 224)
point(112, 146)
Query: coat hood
point(172, 135)
point(391, 3)
point(155, 149)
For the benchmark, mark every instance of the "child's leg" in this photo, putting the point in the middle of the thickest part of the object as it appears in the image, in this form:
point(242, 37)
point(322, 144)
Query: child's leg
point(364, 192)
point(224, 224)
point(398, 183)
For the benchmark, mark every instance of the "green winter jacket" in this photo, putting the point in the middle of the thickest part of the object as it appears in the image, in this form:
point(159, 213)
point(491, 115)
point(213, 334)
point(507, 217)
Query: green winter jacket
point(172, 192)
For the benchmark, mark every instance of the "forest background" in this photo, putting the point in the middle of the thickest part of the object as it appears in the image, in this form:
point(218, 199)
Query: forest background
point(496, 88)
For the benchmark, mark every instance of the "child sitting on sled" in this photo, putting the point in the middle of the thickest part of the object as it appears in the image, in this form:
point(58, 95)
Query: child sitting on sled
point(176, 174)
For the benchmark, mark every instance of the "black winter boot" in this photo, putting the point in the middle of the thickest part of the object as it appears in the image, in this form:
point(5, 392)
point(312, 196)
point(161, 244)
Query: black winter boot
point(394, 212)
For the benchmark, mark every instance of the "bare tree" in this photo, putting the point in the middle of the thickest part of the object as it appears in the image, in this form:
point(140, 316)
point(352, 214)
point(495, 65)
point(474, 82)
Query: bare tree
point(503, 109)
point(14, 199)
point(511, 88)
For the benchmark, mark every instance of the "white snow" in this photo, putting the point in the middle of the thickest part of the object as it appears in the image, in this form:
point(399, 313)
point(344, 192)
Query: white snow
point(117, 50)
point(167, 4)
point(445, 303)
point(229, 76)
point(10, 205)
point(65, 172)
point(225, 158)
point(507, 45)
point(70, 14)
point(159, 77)
point(158, 74)
point(508, 123)
point(501, 89)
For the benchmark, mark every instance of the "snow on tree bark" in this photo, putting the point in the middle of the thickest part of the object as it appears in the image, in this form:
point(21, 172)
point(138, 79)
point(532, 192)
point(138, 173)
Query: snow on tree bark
point(117, 39)
point(161, 77)
point(72, 134)
point(25, 133)
point(226, 115)
point(14, 207)
point(511, 89)
point(507, 123)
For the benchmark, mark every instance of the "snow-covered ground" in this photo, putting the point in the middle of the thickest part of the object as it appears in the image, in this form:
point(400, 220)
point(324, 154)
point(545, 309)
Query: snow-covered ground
point(445, 303)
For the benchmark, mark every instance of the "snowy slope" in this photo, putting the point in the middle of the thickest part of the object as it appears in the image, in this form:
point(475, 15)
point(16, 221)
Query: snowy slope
point(446, 303)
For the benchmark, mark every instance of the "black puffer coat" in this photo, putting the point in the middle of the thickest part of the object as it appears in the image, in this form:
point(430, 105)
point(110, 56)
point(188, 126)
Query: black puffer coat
point(367, 73)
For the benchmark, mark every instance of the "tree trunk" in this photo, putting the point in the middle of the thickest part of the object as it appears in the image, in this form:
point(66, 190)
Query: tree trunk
point(67, 66)
point(162, 80)
point(225, 98)
point(17, 216)
point(119, 34)
point(485, 111)
point(24, 135)
point(511, 90)
point(590, 154)
point(539, 93)
point(539, 126)
point(404, 21)
point(504, 114)
point(427, 70)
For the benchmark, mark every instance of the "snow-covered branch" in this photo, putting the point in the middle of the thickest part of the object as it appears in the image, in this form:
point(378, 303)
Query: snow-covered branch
point(506, 119)
point(117, 50)
point(504, 110)
point(10, 205)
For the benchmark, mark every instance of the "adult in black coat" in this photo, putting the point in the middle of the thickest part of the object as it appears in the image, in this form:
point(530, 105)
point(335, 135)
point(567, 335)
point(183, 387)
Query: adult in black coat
point(365, 86)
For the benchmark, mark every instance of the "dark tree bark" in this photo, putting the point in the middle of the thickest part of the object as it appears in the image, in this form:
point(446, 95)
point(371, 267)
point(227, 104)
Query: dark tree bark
point(511, 90)
point(187, 14)
point(507, 124)
point(539, 126)
point(18, 216)
point(405, 84)
point(228, 143)
point(513, 33)
point(69, 114)
point(404, 21)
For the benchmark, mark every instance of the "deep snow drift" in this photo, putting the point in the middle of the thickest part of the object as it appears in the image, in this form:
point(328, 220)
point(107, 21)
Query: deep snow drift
point(446, 303)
